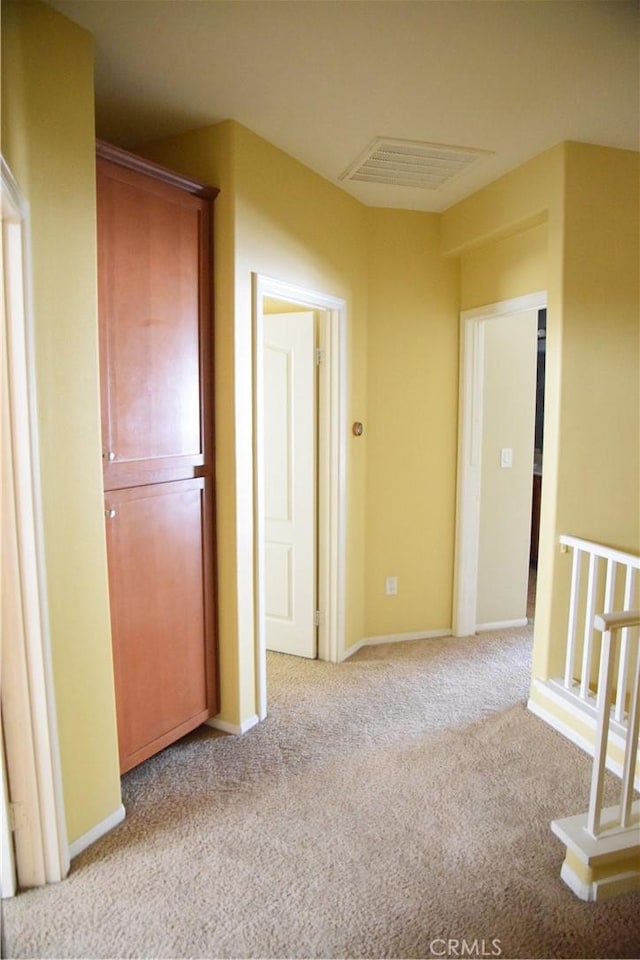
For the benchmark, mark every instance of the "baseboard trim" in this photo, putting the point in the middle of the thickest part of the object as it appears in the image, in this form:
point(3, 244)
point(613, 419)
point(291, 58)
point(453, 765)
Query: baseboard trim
point(539, 689)
point(395, 638)
point(539, 711)
point(100, 829)
point(236, 729)
point(501, 625)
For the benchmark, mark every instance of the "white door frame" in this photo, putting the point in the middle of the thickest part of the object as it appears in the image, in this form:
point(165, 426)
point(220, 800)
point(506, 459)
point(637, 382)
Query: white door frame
point(31, 748)
point(331, 472)
point(8, 884)
point(471, 405)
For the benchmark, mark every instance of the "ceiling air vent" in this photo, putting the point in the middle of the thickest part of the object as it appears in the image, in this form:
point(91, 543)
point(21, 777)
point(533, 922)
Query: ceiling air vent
point(409, 163)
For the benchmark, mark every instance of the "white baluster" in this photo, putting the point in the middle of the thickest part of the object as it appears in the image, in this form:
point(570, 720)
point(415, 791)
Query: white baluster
point(576, 569)
point(587, 649)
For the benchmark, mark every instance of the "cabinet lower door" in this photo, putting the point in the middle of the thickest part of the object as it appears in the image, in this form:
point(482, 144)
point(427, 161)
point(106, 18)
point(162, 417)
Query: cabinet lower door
point(159, 551)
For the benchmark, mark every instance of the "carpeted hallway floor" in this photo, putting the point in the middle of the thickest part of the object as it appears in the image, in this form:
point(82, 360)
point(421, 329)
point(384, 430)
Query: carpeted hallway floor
point(387, 805)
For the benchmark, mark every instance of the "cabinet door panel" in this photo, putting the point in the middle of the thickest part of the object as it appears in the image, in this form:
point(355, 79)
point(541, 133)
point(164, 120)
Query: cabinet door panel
point(151, 239)
point(159, 554)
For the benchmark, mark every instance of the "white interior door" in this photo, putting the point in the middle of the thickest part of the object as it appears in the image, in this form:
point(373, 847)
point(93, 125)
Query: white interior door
point(290, 471)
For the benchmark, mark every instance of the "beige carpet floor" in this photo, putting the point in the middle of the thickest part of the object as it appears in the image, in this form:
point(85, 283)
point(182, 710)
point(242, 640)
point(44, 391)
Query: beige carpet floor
point(388, 804)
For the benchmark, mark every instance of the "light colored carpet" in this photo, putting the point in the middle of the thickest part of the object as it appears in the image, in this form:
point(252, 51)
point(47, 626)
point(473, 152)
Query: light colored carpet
point(388, 803)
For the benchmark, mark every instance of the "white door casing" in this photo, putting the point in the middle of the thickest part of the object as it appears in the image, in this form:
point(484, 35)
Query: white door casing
point(331, 484)
point(471, 404)
point(8, 883)
point(289, 495)
point(31, 759)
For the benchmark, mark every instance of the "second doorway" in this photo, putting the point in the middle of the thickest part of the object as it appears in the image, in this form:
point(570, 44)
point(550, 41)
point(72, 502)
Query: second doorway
point(290, 390)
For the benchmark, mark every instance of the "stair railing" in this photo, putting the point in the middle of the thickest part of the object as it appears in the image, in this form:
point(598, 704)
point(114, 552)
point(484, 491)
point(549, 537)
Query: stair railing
point(618, 590)
point(612, 625)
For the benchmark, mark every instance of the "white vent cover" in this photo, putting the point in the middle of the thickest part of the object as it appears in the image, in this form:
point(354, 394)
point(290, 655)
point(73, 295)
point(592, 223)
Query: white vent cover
point(410, 163)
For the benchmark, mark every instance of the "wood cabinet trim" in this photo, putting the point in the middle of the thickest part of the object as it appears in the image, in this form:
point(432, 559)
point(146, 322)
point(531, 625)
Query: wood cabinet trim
point(108, 151)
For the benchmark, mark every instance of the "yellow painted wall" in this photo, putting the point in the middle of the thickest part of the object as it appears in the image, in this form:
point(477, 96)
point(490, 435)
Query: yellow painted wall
point(588, 197)
point(598, 492)
point(209, 155)
point(504, 269)
point(516, 202)
point(295, 226)
point(508, 247)
point(510, 354)
point(505, 236)
point(281, 220)
point(411, 424)
point(48, 142)
point(510, 241)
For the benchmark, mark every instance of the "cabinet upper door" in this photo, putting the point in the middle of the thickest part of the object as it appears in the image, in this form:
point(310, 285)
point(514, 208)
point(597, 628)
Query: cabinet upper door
point(153, 245)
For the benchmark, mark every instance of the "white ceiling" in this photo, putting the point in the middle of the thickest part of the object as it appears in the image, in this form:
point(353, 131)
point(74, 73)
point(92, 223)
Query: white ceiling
point(322, 78)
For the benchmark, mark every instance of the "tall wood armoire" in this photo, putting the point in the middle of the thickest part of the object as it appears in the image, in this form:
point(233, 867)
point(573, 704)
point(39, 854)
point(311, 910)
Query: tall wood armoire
point(155, 294)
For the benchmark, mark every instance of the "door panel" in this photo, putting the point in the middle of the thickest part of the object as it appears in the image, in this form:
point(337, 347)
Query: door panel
point(151, 301)
point(156, 544)
point(152, 246)
point(290, 470)
point(279, 580)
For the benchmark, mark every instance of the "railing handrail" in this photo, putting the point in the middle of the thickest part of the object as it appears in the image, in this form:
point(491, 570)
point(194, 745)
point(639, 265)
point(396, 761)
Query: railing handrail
point(600, 550)
point(617, 620)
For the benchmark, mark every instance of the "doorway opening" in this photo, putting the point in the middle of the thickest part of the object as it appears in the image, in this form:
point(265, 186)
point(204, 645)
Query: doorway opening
point(473, 326)
point(537, 461)
point(329, 314)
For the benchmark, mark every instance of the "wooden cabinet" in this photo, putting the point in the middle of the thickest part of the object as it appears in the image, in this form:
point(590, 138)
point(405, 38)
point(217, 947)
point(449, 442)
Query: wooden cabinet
point(155, 294)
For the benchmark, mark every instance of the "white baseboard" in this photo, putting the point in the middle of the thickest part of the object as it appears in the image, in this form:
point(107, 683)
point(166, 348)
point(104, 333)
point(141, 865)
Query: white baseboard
point(543, 688)
point(237, 729)
point(395, 638)
point(539, 711)
point(96, 832)
point(501, 625)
